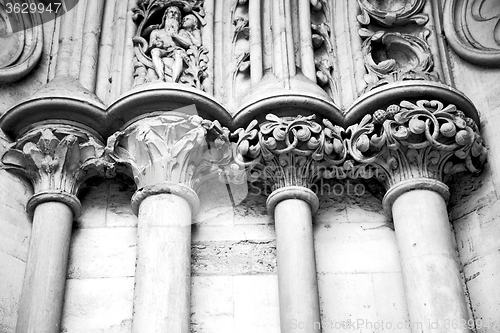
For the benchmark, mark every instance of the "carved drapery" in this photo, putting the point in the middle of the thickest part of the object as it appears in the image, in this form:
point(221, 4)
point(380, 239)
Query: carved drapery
point(472, 28)
point(391, 54)
point(168, 43)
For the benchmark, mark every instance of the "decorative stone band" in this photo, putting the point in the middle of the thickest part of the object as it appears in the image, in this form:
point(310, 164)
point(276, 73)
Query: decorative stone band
point(172, 153)
point(290, 151)
point(57, 159)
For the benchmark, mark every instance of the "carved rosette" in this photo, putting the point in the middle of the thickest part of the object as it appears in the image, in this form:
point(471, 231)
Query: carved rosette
point(168, 43)
point(415, 141)
point(57, 160)
point(174, 150)
point(289, 151)
point(390, 53)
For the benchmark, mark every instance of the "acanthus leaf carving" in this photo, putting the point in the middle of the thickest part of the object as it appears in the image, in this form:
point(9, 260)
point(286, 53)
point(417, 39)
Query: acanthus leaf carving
point(173, 148)
point(57, 159)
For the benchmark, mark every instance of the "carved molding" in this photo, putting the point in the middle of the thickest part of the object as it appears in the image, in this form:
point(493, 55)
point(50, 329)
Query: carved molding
point(472, 28)
point(289, 151)
point(22, 44)
point(174, 148)
point(57, 160)
point(168, 43)
point(412, 141)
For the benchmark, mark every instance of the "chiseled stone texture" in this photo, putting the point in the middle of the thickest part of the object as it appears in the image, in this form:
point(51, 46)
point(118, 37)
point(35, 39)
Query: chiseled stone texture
point(15, 231)
point(476, 224)
point(359, 273)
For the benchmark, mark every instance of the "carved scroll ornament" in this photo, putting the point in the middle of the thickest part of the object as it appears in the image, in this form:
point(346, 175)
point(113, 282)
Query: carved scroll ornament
point(391, 57)
point(422, 140)
point(168, 43)
point(290, 151)
point(472, 28)
point(390, 13)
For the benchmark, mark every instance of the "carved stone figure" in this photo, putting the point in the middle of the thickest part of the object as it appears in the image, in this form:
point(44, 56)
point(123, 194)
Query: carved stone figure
point(171, 51)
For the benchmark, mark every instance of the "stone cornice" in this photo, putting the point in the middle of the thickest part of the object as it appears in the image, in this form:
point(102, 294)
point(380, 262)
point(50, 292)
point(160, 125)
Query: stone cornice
point(57, 159)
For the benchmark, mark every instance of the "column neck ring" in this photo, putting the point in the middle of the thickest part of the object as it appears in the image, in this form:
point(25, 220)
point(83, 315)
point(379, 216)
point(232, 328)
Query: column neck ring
point(66, 198)
point(292, 192)
point(180, 190)
point(414, 184)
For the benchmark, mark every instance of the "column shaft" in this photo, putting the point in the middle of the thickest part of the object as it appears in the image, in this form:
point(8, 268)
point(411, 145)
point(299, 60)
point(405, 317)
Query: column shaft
point(163, 273)
point(42, 298)
point(431, 270)
point(298, 286)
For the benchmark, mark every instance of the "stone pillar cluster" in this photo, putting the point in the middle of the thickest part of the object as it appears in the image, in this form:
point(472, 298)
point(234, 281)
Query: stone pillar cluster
point(268, 71)
point(410, 147)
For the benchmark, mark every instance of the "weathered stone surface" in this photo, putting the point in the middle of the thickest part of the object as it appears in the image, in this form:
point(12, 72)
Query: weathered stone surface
point(98, 305)
point(11, 277)
point(246, 257)
point(102, 253)
point(360, 302)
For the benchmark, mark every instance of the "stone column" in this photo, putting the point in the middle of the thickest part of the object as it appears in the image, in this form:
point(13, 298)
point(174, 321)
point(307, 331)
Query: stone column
point(169, 157)
point(288, 153)
point(56, 159)
point(413, 148)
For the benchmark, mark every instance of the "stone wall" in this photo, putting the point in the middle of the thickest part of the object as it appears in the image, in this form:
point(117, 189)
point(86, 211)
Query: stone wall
point(234, 286)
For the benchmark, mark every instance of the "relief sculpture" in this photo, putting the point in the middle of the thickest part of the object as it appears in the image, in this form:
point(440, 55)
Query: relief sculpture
point(168, 44)
point(395, 46)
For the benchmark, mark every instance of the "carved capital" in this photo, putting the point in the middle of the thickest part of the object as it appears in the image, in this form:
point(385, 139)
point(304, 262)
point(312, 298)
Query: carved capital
point(426, 140)
point(290, 151)
point(176, 152)
point(57, 160)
